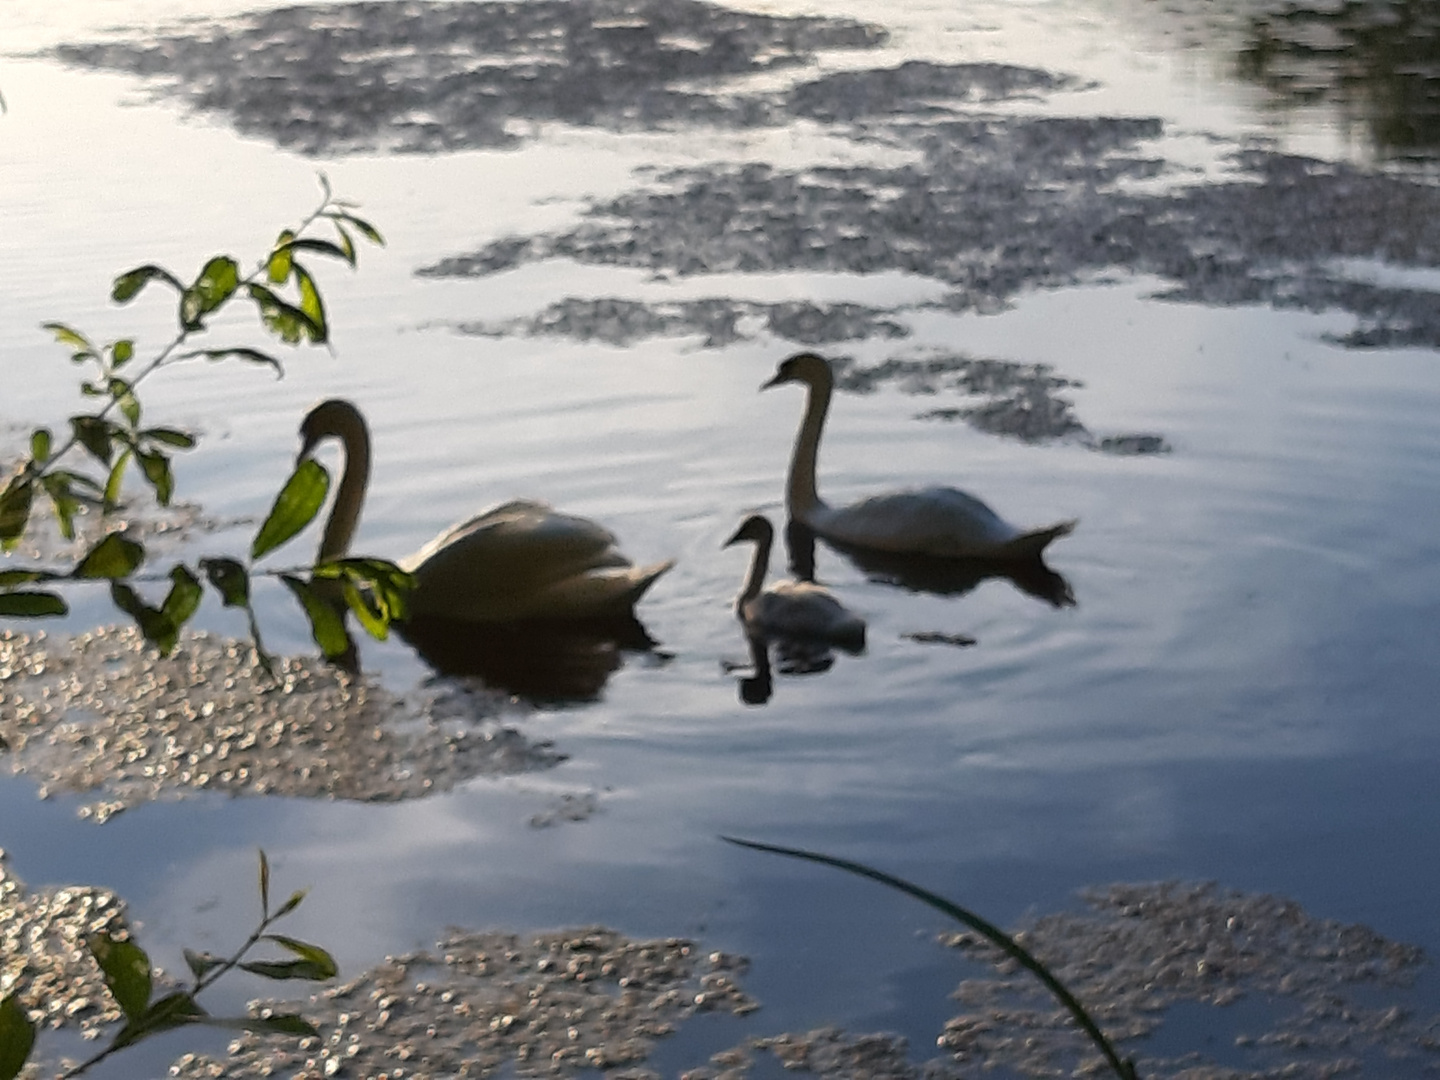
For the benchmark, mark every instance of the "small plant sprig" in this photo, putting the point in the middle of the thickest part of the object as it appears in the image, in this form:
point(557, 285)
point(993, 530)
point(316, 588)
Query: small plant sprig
point(113, 437)
point(126, 969)
point(1124, 1068)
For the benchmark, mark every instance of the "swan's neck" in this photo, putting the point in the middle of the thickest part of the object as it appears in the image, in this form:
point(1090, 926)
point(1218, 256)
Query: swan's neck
point(345, 514)
point(759, 563)
point(800, 494)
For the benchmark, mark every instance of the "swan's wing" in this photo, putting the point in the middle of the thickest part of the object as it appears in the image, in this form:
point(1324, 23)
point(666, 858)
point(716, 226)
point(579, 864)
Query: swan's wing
point(803, 609)
point(515, 561)
point(933, 521)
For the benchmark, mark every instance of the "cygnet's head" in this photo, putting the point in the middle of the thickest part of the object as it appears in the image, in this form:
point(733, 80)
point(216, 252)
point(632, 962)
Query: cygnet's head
point(805, 367)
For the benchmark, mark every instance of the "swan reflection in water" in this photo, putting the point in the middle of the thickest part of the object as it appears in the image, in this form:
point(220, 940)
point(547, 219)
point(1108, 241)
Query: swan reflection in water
point(932, 573)
point(547, 662)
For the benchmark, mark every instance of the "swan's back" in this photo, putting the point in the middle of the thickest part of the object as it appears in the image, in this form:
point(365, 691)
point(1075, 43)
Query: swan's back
point(523, 560)
point(942, 521)
point(802, 609)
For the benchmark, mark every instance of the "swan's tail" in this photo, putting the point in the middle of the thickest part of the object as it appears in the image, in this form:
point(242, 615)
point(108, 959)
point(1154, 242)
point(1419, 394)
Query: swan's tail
point(1029, 545)
point(646, 577)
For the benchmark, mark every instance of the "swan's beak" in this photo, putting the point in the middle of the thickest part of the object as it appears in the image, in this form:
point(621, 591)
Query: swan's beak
point(774, 380)
point(737, 537)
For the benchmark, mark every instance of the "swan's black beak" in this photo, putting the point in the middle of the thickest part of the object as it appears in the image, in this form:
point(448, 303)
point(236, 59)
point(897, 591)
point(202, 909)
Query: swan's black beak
point(774, 380)
point(737, 537)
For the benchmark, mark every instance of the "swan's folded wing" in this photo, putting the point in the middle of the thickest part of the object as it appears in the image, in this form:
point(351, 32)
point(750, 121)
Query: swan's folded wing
point(499, 564)
point(934, 521)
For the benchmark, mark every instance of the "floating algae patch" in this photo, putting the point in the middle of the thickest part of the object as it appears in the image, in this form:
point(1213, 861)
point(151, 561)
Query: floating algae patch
point(103, 715)
point(720, 321)
point(44, 962)
point(431, 77)
point(1335, 991)
point(553, 1004)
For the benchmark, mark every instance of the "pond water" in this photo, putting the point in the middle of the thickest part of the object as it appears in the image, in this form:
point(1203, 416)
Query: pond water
point(1068, 258)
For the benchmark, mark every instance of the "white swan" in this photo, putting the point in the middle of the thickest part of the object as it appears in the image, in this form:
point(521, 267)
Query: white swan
point(939, 521)
point(790, 609)
point(520, 560)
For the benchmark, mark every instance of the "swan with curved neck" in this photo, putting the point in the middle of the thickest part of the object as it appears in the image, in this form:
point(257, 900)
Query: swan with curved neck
point(939, 521)
point(519, 560)
point(789, 609)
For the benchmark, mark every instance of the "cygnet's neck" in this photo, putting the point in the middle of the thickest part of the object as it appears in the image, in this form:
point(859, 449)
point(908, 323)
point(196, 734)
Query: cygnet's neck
point(755, 579)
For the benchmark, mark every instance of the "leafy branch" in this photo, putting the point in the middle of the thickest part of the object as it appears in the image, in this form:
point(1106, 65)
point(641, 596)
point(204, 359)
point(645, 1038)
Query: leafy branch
point(127, 972)
point(289, 305)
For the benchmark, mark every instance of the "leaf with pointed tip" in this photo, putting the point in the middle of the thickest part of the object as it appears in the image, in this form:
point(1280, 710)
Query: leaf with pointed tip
point(231, 581)
point(312, 954)
point(326, 625)
point(181, 440)
point(30, 604)
point(126, 399)
point(154, 624)
point(183, 598)
point(58, 485)
point(171, 1011)
point(126, 968)
point(286, 321)
point(321, 247)
point(274, 1024)
point(15, 509)
point(295, 507)
point(121, 353)
point(96, 434)
point(116, 480)
point(255, 356)
point(218, 280)
point(347, 243)
point(10, 578)
point(157, 470)
point(291, 904)
point(83, 346)
point(264, 885)
point(286, 969)
point(366, 229)
point(132, 281)
point(375, 621)
point(277, 269)
point(17, 1037)
point(310, 302)
point(114, 557)
point(201, 964)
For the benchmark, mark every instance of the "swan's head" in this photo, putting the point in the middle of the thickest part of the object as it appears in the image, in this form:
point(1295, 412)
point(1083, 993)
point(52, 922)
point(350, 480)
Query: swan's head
point(805, 367)
point(335, 417)
point(757, 528)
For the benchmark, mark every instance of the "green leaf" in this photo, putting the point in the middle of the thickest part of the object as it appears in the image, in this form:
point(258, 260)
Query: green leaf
point(121, 353)
point(114, 557)
point(231, 581)
point(310, 302)
point(372, 617)
point(17, 1037)
point(10, 578)
point(28, 604)
point(326, 625)
point(40, 445)
point(264, 885)
point(126, 968)
point(58, 486)
point(312, 954)
point(287, 322)
point(291, 904)
point(157, 471)
point(97, 435)
point(116, 479)
point(83, 346)
point(295, 507)
point(132, 281)
point(277, 269)
point(366, 229)
point(125, 398)
point(286, 969)
point(171, 1011)
point(15, 509)
point(183, 598)
point(201, 964)
point(253, 355)
point(275, 1024)
point(217, 282)
point(159, 629)
point(181, 440)
point(347, 243)
point(322, 247)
